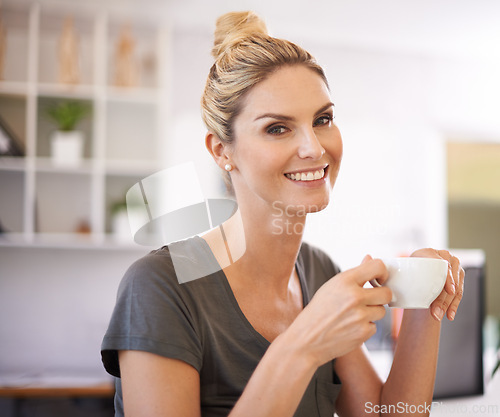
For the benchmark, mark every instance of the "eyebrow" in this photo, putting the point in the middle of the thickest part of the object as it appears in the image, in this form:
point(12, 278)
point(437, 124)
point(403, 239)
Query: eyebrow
point(290, 118)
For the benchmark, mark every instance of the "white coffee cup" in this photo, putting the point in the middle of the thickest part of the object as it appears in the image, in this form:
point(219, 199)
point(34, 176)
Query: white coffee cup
point(415, 282)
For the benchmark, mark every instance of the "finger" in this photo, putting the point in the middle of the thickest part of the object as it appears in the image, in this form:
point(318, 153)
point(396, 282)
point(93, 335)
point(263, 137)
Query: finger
point(376, 313)
point(369, 270)
point(440, 305)
point(377, 296)
point(453, 264)
point(452, 310)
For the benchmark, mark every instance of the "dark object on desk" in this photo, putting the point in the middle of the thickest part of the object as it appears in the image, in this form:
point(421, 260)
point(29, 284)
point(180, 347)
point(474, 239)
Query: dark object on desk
point(85, 401)
point(460, 364)
point(10, 145)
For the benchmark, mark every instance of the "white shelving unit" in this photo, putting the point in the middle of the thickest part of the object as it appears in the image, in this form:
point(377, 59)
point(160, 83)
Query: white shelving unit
point(39, 201)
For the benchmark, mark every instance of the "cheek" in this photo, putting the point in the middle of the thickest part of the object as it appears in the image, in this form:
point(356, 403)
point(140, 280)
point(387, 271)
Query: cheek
point(261, 159)
point(333, 147)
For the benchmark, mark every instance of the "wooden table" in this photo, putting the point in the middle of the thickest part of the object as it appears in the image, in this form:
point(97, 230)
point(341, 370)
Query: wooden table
point(101, 390)
point(17, 396)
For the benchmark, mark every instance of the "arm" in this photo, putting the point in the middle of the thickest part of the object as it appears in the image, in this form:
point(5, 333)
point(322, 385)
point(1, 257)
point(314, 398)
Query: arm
point(411, 380)
point(339, 318)
point(157, 386)
point(412, 376)
point(154, 386)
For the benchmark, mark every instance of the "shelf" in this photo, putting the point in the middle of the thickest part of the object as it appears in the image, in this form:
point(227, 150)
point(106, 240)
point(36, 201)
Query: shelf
point(138, 168)
point(133, 95)
point(12, 163)
point(70, 241)
point(14, 88)
point(48, 166)
point(49, 202)
point(80, 91)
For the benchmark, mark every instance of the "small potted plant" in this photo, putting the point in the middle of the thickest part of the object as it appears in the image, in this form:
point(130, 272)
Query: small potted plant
point(66, 141)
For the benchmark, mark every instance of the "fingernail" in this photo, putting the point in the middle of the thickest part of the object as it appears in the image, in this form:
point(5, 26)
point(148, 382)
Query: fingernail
point(453, 288)
point(452, 315)
point(438, 313)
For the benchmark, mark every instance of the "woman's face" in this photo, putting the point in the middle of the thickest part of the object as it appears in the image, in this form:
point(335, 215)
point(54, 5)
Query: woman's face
point(287, 150)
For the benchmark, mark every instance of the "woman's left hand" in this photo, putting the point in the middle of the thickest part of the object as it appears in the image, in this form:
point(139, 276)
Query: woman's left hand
point(447, 302)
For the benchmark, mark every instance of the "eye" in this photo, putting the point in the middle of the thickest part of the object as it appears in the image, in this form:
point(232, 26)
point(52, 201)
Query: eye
point(277, 130)
point(324, 120)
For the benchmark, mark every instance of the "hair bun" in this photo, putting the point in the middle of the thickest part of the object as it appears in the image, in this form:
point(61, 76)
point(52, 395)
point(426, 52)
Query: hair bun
point(231, 28)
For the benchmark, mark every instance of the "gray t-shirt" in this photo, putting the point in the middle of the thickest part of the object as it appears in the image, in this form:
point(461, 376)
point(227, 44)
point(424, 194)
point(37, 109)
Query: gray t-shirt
point(200, 322)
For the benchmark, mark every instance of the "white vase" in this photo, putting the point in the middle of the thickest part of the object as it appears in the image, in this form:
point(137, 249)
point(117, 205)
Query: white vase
point(67, 147)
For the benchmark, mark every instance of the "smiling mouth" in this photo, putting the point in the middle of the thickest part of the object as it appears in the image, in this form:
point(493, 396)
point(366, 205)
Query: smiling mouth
point(313, 175)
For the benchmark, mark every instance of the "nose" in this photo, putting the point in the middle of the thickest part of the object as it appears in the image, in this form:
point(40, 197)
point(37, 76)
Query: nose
point(310, 146)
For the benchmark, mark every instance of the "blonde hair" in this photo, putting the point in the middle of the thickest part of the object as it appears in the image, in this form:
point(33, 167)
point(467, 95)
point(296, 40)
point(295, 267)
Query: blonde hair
point(244, 56)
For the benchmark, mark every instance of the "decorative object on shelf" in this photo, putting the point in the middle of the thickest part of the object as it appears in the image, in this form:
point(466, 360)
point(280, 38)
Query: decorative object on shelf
point(69, 66)
point(2, 229)
point(83, 227)
point(66, 142)
point(3, 48)
point(126, 65)
point(10, 145)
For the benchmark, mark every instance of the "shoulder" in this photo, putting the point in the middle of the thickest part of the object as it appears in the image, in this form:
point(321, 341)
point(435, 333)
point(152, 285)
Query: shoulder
point(170, 266)
point(154, 269)
point(158, 313)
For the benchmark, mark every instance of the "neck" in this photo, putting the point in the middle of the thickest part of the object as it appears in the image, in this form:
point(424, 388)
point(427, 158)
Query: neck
point(271, 241)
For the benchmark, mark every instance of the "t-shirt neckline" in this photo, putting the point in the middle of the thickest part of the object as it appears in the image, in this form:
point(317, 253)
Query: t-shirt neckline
point(232, 298)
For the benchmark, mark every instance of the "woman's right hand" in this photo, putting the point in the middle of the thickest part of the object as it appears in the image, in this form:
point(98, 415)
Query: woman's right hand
point(341, 315)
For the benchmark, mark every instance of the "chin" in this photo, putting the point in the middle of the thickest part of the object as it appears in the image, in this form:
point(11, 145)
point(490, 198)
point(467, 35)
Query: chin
point(301, 207)
point(317, 208)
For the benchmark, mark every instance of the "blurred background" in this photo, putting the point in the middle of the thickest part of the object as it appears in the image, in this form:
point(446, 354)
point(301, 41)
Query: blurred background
point(415, 86)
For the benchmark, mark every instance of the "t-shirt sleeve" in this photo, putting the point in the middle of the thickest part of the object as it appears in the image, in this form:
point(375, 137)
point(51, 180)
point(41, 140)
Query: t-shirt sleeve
point(152, 313)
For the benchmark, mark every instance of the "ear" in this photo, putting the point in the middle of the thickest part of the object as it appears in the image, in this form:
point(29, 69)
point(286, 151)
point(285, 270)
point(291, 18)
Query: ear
point(219, 150)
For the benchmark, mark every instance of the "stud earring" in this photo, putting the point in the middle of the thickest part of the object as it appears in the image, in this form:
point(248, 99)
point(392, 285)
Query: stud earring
point(228, 167)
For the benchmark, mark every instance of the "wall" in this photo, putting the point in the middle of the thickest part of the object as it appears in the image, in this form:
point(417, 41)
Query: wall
point(396, 111)
point(55, 304)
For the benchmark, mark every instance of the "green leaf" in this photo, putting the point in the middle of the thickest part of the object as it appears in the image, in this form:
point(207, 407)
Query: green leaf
point(66, 114)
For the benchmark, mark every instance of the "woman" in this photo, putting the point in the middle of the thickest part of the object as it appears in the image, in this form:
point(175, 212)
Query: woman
point(271, 334)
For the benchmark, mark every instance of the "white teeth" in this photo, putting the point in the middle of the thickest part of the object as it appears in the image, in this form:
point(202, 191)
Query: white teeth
point(307, 176)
